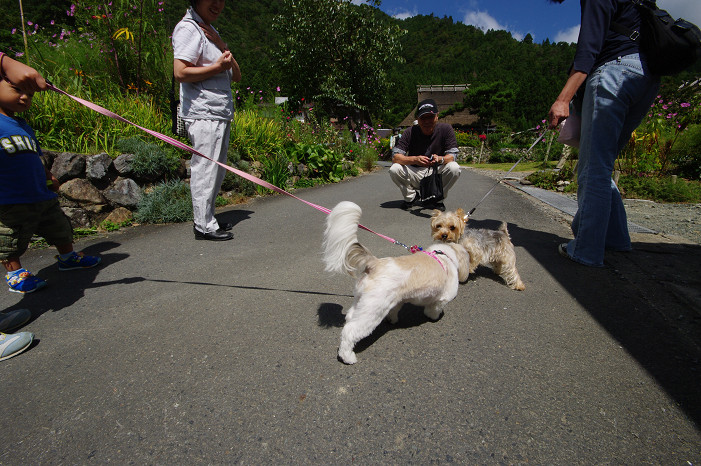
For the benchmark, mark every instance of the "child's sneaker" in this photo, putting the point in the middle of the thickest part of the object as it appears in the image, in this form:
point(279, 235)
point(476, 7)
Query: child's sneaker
point(77, 261)
point(22, 281)
point(12, 345)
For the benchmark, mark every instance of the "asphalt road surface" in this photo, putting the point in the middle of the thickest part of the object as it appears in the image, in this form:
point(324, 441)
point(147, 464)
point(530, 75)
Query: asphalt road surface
point(176, 351)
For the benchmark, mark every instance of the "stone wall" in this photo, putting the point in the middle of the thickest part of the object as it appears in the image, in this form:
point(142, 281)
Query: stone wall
point(95, 188)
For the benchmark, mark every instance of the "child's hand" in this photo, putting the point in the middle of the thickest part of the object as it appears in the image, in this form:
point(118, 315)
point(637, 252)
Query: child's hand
point(52, 183)
point(26, 78)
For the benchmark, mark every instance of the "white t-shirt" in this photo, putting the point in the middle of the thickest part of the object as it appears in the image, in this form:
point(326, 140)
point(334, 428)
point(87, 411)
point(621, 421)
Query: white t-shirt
point(210, 99)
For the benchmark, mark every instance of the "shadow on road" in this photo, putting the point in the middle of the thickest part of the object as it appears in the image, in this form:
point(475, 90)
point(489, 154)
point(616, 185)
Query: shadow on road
point(649, 308)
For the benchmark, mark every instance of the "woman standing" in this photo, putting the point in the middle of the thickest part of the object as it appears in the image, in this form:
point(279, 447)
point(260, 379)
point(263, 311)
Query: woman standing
point(205, 68)
point(614, 92)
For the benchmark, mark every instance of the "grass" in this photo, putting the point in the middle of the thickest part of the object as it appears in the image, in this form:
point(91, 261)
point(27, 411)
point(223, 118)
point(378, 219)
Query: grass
point(658, 189)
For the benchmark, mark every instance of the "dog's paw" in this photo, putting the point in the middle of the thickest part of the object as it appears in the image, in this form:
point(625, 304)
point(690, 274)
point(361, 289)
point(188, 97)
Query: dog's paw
point(349, 358)
point(433, 314)
point(518, 286)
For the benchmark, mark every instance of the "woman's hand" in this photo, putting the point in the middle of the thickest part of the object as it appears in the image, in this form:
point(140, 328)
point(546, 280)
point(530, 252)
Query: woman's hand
point(226, 60)
point(212, 35)
point(558, 112)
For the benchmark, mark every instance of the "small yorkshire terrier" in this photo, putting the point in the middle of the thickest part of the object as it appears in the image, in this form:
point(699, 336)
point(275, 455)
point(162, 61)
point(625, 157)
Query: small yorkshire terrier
point(428, 278)
point(486, 247)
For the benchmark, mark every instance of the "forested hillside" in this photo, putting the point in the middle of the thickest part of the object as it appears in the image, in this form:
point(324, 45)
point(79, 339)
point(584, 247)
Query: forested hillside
point(525, 75)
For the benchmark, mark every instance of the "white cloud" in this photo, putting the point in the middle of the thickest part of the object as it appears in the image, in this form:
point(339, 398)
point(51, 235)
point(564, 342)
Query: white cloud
point(568, 35)
point(484, 21)
point(405, 14)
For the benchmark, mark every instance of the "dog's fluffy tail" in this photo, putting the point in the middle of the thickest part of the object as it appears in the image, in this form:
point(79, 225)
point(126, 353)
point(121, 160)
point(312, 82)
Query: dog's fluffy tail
point(342, 252)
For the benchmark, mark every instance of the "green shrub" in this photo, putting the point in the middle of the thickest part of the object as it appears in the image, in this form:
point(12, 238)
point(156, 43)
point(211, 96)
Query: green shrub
point(165, 203)
point(504, 156)
point(236, 183)
point(255, 137)
point(150, 161)
point(686, 154)
point(322, 162)
point(275, 172)
point(660, 189)
point(548, 179)
point(466, 139)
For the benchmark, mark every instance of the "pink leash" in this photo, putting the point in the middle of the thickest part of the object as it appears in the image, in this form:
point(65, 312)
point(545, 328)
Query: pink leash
point(185, 147)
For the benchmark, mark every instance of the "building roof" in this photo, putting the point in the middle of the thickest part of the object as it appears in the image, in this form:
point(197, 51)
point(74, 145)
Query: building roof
point(445, 95)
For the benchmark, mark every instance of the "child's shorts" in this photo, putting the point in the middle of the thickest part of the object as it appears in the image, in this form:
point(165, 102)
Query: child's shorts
point(19, 222)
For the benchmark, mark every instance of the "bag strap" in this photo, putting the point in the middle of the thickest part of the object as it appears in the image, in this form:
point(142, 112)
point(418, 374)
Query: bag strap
point(633, 34)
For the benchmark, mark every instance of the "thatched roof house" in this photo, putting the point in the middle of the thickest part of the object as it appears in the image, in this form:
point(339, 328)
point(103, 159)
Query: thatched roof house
point(445, 95)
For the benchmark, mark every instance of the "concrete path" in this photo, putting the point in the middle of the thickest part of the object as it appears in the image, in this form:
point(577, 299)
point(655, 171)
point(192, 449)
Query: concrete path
point(178, 351)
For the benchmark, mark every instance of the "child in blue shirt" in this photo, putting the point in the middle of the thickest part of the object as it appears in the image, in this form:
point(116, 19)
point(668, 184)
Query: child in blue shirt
point(28, 200)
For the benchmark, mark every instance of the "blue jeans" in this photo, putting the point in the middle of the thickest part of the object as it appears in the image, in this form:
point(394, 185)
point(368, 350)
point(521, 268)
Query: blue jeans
point(618, 95)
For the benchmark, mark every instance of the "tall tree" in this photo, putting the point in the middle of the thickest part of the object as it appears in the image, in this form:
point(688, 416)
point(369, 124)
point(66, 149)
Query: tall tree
point(337, 54)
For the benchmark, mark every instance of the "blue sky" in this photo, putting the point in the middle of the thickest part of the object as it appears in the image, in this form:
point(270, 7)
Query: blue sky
point(540, 18)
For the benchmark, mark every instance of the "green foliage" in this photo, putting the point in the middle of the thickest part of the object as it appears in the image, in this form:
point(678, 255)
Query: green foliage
point(466, 139)
point(233, 182)
point(336, 54)
point(549, 179)
point(275, 171)
point(322, 162)
point(686, 154)
point(165, 203)
point(255, 137)
point(62, 124)
point(150, 161)
point(660, 189)
point(110, 226)
point(504, 156)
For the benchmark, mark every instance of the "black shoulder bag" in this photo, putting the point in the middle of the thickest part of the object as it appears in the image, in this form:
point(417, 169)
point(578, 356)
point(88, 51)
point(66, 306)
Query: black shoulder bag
point(668, 45)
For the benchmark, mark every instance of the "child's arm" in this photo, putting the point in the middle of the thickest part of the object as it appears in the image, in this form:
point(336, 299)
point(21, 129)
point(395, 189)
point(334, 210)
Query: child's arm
point(24, 77)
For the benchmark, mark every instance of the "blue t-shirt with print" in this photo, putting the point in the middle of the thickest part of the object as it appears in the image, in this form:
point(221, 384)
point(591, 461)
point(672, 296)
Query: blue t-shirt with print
point(22, 175)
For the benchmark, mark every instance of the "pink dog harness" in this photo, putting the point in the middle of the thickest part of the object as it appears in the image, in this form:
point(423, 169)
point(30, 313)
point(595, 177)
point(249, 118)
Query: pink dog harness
point(414, 249)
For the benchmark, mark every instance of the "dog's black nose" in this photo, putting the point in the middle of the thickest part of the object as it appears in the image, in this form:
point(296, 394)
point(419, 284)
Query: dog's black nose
point(444, 236)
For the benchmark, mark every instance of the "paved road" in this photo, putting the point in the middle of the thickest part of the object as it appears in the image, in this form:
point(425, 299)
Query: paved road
point(178, 351)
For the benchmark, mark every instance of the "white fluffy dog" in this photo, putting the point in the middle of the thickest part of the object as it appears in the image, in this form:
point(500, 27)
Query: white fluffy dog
point(428, 278)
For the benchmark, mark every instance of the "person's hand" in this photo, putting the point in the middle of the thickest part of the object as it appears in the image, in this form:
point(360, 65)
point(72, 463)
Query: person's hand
point(211, 34)
point(558, 112)
point(226, 60)
point(26, 78)
point(424, 161)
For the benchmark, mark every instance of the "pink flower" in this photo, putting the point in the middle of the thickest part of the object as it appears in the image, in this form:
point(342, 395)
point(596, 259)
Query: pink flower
point(685, 104)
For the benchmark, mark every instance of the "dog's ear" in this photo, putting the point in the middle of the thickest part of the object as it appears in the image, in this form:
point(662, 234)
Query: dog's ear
point(462, 215)
point(436, 213)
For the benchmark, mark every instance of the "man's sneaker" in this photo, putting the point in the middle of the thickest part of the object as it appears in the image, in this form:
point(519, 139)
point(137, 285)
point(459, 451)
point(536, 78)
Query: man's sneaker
point(12, 345)
point(13, 319)
point(24, 282)
point(77, 261)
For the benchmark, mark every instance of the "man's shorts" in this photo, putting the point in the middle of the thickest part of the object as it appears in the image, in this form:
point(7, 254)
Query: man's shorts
point(19, 222)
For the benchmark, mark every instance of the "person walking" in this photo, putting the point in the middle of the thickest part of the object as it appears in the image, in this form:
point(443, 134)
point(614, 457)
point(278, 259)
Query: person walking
point(612, 88)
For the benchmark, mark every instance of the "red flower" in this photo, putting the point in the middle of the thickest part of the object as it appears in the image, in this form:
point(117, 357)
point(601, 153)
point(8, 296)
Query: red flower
point(483, 137)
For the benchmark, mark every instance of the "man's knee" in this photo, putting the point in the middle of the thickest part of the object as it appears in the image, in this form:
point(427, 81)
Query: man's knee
point(397, 172)
point(453, 168)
